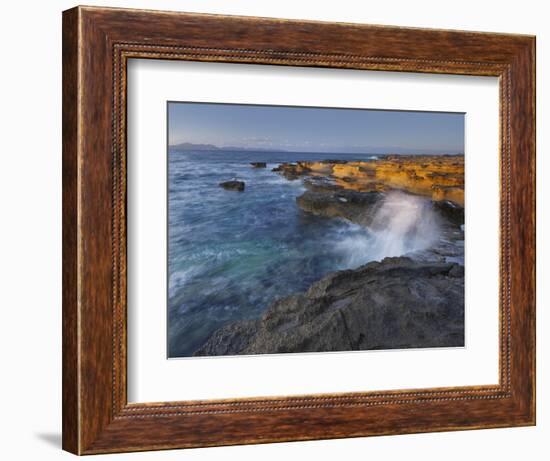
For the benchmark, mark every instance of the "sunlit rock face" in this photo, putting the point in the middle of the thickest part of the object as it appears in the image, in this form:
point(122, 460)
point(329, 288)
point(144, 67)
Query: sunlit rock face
point(440, 177)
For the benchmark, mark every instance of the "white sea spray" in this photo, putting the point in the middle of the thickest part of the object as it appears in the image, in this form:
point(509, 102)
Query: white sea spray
point(402, 223)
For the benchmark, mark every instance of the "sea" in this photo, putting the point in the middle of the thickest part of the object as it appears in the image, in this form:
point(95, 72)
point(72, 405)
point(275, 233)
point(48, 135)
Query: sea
point(231, 254)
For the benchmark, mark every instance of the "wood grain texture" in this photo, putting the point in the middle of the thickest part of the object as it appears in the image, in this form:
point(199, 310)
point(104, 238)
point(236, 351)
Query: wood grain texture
point(97, 43)
point(70, 383)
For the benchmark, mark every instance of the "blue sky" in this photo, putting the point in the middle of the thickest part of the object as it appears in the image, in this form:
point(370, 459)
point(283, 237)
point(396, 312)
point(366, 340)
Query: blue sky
point(310, 129)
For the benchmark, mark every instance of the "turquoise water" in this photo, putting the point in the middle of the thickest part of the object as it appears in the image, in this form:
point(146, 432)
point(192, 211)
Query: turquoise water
point(233, 253)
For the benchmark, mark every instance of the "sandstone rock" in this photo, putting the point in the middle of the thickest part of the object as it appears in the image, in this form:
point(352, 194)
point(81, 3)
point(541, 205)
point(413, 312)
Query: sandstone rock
point(440, 177)
point(233, 185)
point(395, 303)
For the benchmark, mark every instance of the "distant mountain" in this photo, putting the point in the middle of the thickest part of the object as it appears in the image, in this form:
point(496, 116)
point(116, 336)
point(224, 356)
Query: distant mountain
point(191, 146)
point(184, 146)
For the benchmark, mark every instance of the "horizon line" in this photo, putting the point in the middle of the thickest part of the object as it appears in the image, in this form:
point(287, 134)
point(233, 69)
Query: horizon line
point(389, 151)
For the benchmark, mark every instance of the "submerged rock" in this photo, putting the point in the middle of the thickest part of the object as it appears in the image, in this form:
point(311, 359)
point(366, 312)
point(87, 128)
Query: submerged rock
point(392, 304)
point(233, 185)
point(259, 164)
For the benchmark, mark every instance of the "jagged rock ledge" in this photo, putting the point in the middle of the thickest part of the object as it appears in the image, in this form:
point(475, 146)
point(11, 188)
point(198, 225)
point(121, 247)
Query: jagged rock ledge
point(392, 304)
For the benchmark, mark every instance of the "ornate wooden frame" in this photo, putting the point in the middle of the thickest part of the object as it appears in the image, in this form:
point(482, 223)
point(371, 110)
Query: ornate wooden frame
point(97, 43)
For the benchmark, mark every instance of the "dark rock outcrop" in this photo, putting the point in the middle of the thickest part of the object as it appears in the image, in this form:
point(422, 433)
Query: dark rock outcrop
point(392, 304)
point(233, 185)
point(357, 207)
point(450, 211)
point(259, 164)
point(324, 198)
point(292, 171)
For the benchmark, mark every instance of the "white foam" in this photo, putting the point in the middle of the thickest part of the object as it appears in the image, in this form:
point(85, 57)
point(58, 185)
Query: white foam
point(402, 224)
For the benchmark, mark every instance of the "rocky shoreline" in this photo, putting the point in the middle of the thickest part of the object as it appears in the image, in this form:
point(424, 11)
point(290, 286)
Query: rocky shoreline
point(412, 301)
point(396, 303)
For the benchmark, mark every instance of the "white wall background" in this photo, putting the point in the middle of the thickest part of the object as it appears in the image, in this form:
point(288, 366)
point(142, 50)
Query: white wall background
point(30, 227)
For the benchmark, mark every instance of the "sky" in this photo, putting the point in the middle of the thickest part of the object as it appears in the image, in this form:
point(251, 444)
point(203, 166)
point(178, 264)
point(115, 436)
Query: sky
point(310, 129)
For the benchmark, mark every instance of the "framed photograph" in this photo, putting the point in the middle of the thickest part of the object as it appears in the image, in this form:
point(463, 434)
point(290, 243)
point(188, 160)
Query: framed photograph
point(281, 230)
